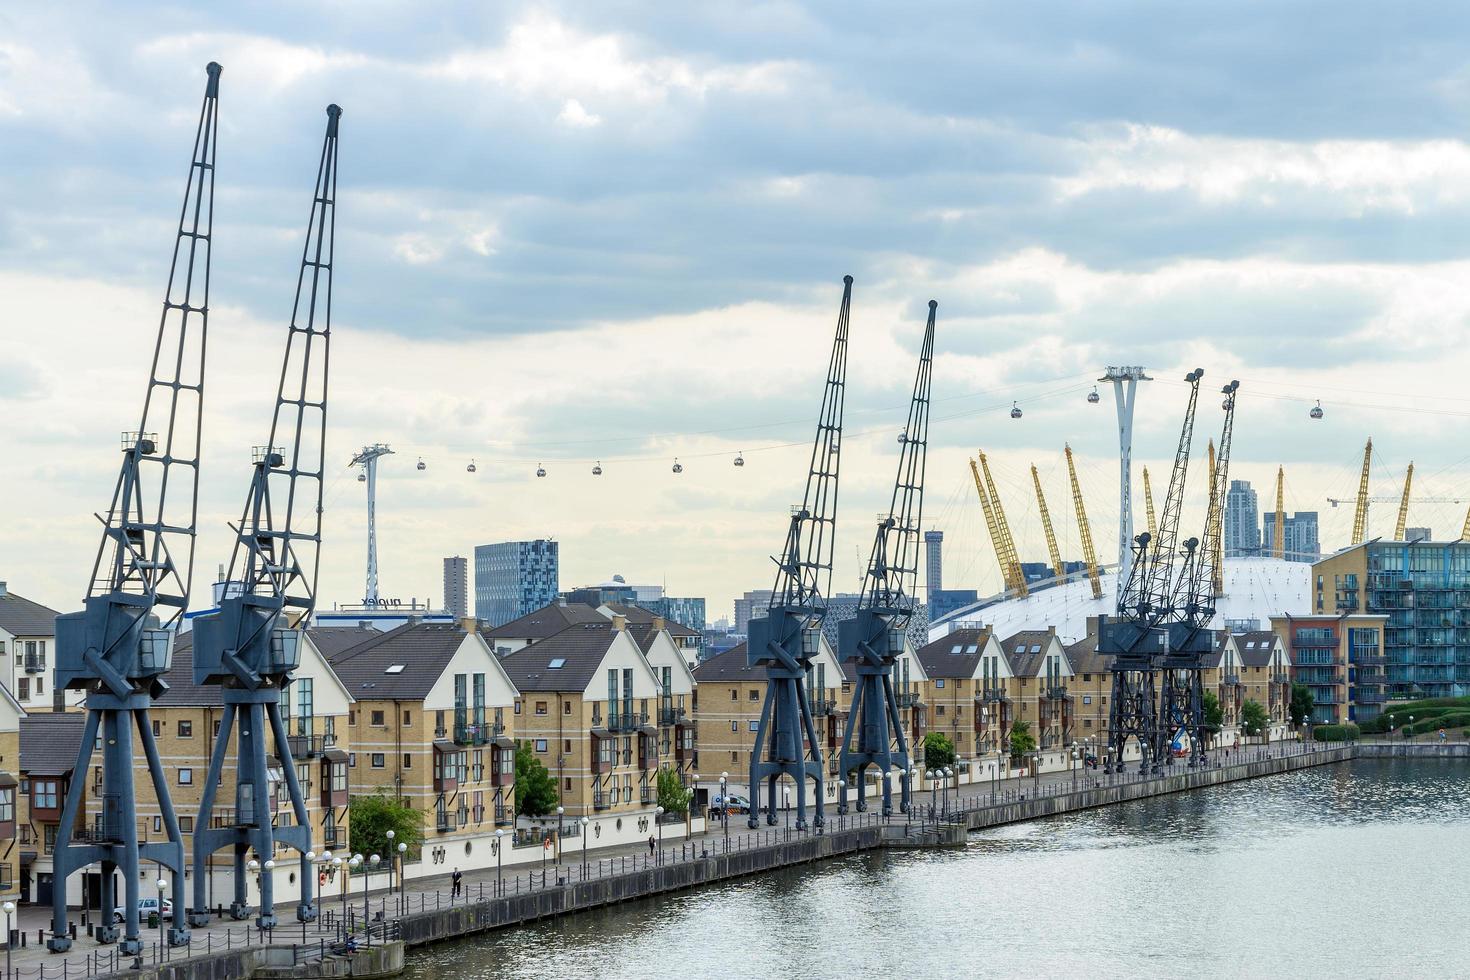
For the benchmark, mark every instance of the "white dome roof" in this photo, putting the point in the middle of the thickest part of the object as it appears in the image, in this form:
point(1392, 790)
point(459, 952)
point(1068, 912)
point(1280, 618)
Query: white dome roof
point(1255, 588)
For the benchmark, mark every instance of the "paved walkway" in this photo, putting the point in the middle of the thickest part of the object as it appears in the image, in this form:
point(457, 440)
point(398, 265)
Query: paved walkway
point(87, 957)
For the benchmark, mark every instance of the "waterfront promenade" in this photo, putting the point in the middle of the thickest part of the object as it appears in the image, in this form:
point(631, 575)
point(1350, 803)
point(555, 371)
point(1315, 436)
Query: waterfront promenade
point(427, 911)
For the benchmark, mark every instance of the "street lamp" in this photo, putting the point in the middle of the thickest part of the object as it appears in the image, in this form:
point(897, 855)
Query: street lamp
point(658, 811)
point(584, 821)
point(162, 887)
point(1409, 731)
point(560, 830)
point(841, 797)
point(499, 854)
point(352, 865)
point(725, 806)
point(402, 854)
point(366, 878)
point(337, 867)
point(390, 835)
point(9, 908)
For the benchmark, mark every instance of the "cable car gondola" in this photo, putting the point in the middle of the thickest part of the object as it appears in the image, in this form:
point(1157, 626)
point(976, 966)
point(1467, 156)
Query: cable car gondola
point(421, 465)
point(1316, 411)
point(1015, 410)
point(540, 470)
point(678, 467)
point(1093, 397)
point(597, 470)
point(470, 468)
point(739, 460)
point(362, 478)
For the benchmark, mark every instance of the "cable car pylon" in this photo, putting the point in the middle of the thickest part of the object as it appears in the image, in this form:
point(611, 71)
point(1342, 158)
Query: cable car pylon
point(786, 639)
point(252, 644)
point(873, 639)
point(117, 648)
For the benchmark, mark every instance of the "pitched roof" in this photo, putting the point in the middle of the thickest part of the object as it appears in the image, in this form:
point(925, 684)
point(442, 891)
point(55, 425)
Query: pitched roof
point(1026, 649)
point(1085, 659)
point(419, 651)
point(20, 616)
point(728, 665)
point(49, 742)
point(579, 649)
point(182, 691)
point(546, 621)
point(956, 655)
point(1256, 647)
point(332, 640)
point(641, 616)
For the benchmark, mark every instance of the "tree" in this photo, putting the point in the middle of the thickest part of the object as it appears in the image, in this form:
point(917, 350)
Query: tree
point(371, 815)
point(1301, 703)
point(1253, 718)
point(1022, 741)
point(938, 751)
point(1213, 713)
point(673, 796)
point(536, 793)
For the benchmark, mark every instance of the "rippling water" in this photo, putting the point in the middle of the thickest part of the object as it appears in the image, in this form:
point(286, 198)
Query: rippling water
point(1359, 869)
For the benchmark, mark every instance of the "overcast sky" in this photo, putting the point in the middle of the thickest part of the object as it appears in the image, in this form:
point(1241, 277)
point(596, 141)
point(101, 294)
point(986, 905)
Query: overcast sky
point(617, 231)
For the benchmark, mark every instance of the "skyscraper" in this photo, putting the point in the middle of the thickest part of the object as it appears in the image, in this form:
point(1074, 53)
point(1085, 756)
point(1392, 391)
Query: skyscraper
point(1242, 520)
point(751, 606)
point(513, 578)
point(456, 586)
point(933, 563)
point(1300, 534)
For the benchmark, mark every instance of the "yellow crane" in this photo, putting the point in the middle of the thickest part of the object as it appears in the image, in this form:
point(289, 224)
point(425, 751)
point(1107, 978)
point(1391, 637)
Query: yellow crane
point(1214, 539)
point(1278, 533)
point(1398, 529)
point(1084, 530)
point(1360, 516)
point(1013, 560)
point(1148, 505)
point(1465, 534)
point(1052, 551)
point(1010, 569)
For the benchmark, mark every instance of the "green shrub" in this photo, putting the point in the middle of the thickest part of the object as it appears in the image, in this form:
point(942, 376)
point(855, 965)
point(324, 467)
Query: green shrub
point(1454, 719)
point(1335, 733)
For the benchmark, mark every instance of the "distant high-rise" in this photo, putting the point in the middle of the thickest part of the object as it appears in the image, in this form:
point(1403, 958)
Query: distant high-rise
point(513, 578)
point(752, 605)
point(1412, 534)
point(933, 563)
point(1299, 531)
point(1242, 520)
point(457, 586)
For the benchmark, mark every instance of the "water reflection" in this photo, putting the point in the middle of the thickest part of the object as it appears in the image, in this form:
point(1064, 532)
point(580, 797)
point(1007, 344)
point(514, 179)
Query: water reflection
point(1262, 878)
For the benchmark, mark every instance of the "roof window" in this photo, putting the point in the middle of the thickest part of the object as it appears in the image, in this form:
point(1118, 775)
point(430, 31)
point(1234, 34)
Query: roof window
point(394, 669)
point(557, 663)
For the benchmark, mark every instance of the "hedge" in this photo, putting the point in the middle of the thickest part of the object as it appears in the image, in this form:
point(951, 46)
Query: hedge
point(1335, 733)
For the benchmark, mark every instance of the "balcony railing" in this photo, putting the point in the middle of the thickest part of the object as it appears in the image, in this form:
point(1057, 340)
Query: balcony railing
point(35, 664)
point(1231, 679)
point(824, 707)
point(625, 722)
point(305, 746)
point(906, 699)
point(443, 821)
point(329, 836)
point(670, 715)
point(1056, 694)
point(502, 813)
point(470, 733)
point(600, 801)
point(993, 694)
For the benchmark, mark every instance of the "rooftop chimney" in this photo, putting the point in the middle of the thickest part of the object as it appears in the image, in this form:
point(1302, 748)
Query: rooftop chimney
point(620, 623)
point(659, 624)
point(469, 624)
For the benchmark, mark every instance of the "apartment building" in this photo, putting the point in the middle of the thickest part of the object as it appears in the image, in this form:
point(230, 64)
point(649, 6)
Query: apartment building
point(49, 742)
point(730, 694)
point(688, 640)
point(1039, 675)
point(974, 714)
point(1265, 677)
point(1341, 659)
point(432, 724)
point(677, 732)
point(27, 643)
point(1091, 685)
point(540, 624)
point(13, 808)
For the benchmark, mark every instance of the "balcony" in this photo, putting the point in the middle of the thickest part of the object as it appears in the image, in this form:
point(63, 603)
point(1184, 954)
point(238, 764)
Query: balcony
point(645, 794)
point(624, 722)
point(502, 813)
point(1058, 693)
point(600, 801)
point(35, 663)
point(305, 746)
point(470, 733)
point(670, 715)
point(907, 699)
point(1231, 679)
point(824, 707)
point(1371, 696)
point(329, 836)
point(443, 821)
point(993, 694)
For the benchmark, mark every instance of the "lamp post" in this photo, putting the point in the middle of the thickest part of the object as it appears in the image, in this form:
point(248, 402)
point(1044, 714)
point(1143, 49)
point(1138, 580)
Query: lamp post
point(402, 853)
point(390, 835)
point(584, 821)
point(253, 866)
point(842, 801)
point(499, 854)
point(353, 864)
point(337, 867)
point(162, 888)
point(366, 878)
point(9, 911)
point(658, 811)
point(725, 806)
point(1074, 768)
point(560, 830)
point(1409, 731)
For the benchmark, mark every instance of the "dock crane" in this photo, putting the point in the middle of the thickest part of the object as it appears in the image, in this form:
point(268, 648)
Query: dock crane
point(873, 639)
point(1191, 608)
point(1052, 551)
point(1084, 530)
point(1000, 531)
point(1134, 638)
point(118, 647)
point(251, 645)
point(786, 640)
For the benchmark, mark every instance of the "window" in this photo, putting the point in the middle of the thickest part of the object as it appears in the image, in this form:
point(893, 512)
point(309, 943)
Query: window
point(352, 760)
point(541, 707)
point(557, 663)
point(407, 761)
point(186, 729)
point(939, 682)
point(734, 694)
point(158, 825)
point(49, 837)
point(733, 756)
point(540, 745)
point(755, 695)
point(567, 783)
point(566, 746)
point(351, 716)
point(518, 707)
point(754, 726)
point(7, 805)
point(216, 728)
point(305, 705)
point(566, 707)
point(377, 718)
point(157, 725)
point(25, 689)
point(377, 760)
point(734, 726)
point(1087, 699)
point(407, 719)
point(40, 685)
point(186, 777)
point(45, 794)
point(186, 825)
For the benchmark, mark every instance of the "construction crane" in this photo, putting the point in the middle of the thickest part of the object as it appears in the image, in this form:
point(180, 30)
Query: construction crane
point(1000, 531)
point(1278, 532)
point(1134, 639)
point(1084, 530)
point(874, 638)
point(118, 647)
point(1214, 539)
point(1054, 553)
point(786, 640)
point(1399, 526)
point(1148, 505)
point(251, 646)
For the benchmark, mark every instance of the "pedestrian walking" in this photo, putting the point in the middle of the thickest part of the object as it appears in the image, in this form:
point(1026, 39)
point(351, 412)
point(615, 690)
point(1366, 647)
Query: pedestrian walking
point(456, 883)
point(652, 843)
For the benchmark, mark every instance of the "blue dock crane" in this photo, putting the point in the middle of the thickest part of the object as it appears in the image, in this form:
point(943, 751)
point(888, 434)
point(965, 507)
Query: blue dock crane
point(789, 636)
point(874, 638)
point(118, 646)
point(251, 645)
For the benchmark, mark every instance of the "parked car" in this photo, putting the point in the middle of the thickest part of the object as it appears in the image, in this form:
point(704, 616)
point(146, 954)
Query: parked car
point(146, 907)
point(738, 804)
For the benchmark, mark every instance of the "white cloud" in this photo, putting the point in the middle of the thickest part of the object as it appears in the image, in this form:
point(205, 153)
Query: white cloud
point(1358, 175)
point(251, 60)
point(575, 115)
point(417, 249)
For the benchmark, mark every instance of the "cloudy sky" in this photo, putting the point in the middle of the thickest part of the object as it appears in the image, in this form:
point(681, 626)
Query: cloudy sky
point(617, 232)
